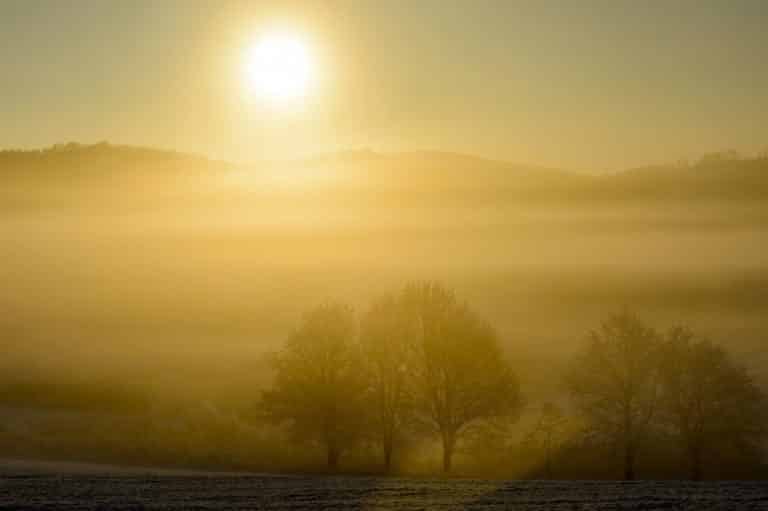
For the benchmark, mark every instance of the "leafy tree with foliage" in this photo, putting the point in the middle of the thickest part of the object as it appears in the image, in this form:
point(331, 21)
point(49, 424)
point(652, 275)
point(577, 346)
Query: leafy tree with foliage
point(460, 374)
point(615, 382)
point(708, 400)
point(319, 384)
point(386, 333)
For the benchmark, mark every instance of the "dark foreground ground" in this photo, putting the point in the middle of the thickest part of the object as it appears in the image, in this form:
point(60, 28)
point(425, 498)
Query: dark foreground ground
point(202, 492)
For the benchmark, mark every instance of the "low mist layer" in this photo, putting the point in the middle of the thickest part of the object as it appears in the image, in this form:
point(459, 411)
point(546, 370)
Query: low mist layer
point(144, 287)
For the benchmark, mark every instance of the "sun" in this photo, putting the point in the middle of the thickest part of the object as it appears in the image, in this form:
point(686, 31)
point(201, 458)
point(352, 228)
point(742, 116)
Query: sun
point(279, 68)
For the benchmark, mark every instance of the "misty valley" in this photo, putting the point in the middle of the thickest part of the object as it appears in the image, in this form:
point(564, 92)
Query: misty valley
point(400, 255)
point(153, 299)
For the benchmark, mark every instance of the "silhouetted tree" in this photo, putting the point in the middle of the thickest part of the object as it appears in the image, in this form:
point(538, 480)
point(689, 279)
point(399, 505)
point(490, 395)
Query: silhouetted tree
point(707, 399)
point(460, 373)
point(319, 385)
point(386, 334)
point(615, 383)
point(548, 433)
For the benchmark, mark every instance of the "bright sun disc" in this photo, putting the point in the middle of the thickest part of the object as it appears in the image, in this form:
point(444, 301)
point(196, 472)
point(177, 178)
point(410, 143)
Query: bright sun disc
point(279, 68)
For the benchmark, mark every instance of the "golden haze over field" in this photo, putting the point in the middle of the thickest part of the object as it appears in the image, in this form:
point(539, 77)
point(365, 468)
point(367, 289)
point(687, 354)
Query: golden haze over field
point(416, 238)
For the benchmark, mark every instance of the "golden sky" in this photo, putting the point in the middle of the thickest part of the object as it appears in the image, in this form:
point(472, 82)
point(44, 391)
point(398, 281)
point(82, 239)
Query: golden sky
point(592, 85)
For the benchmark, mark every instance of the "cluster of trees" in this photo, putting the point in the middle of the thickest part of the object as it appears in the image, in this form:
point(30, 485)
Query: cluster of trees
point(631, 381)
point(422, 361)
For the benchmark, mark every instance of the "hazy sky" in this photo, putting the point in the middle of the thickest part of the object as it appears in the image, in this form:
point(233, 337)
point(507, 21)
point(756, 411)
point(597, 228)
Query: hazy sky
point(579, 84)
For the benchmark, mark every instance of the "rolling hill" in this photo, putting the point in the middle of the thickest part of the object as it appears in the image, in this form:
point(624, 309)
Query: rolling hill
point(433, 176)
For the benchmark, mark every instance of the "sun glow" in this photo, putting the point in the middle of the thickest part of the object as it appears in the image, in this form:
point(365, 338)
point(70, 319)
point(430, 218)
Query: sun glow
point(279, 68)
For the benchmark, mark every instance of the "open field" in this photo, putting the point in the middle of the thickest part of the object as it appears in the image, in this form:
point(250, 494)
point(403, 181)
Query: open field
point(345, 493)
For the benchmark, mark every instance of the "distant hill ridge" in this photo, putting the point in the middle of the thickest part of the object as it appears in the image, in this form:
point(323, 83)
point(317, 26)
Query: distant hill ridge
point(724, 175)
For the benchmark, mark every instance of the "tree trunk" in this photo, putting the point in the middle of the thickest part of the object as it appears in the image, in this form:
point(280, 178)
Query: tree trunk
point(629, 462)
point(695, 460)
point(449, 441)
point(388, 447)
point(548, 463)
point(332, 456)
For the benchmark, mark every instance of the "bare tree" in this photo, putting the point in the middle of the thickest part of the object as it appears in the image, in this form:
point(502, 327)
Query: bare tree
point(460, 373)
point(707, 399)
point(548, 433)
point(614, 382)
point(386, 334)
point(319, 384)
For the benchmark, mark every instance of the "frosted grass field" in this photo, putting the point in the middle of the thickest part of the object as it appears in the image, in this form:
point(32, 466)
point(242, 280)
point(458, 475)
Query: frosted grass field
point(203, 492)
